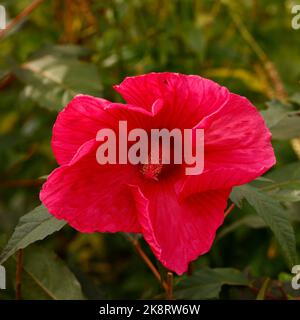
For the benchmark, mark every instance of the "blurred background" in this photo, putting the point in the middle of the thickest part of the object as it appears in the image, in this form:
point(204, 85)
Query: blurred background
point(53, 50)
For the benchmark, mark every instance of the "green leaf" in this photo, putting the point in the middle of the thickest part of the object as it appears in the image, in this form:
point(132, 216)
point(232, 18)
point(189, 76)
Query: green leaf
point(283, 121)
point(263, 290)
point(251, 221)
point(286, 177)
point(45, 276)
point(35, 225)
point(275, 113)
point(65, 50)
point(52, 81)
point(273, 215)
point(284, 185)
point(207, 283)
point(286, 195)
point(295, 98)
point(287, 128)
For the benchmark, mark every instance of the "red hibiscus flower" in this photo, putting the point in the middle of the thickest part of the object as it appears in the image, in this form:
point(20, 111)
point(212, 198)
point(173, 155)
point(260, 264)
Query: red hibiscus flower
point(177, 214)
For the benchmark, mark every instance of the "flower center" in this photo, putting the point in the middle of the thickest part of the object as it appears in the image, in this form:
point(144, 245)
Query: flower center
point(158, 169)
point(152, 171)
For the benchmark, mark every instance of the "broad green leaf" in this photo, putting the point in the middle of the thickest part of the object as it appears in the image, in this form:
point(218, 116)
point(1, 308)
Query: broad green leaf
point(255, 222)
point(295, 98)
point(285, 185)
point(283, 121)
point(207, 283)
point(52, 81)
point(263, 179)
point(46, 276)
point(251, 221)
point(35, 225)
point(286, 177)
point(273, 215)
point(286, 195)
point(287, 128)
point(65, 50)
point(275, 113)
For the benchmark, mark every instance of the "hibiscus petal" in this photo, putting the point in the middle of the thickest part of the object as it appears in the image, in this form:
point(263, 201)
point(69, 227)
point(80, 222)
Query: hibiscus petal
point(92, 197)
point(237, 148)
point(77, 123)
point(85, 115)
point(188, 98)
point(178, 232)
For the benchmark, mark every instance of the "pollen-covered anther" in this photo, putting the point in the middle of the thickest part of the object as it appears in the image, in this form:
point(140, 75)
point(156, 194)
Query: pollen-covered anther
point(152, 171)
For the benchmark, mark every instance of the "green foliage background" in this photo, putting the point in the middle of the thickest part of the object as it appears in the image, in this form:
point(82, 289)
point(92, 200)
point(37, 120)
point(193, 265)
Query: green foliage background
point(83, 46)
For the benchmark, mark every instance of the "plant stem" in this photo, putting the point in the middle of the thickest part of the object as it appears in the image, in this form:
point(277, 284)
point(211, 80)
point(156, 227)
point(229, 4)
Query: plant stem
point(169, 291)
point(27, 11)
point(6, 80)
point(166, 285)
point(149, 263)
point(146, 259)
point(226, 213)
